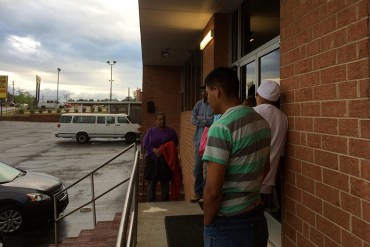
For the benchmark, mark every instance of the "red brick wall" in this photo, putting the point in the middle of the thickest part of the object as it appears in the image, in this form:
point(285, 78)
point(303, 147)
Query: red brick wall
point(221, 57)
point(325, 93)
point(216, 53)
point(162, 85)
point(208, 52)
point(187, 153)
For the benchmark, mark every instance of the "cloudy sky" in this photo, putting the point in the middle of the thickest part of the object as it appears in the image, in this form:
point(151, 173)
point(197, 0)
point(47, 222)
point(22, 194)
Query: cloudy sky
point(79, 37)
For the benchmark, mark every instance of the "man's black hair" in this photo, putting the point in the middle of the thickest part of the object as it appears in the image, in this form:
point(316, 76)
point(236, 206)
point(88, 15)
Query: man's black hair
point(225, 78)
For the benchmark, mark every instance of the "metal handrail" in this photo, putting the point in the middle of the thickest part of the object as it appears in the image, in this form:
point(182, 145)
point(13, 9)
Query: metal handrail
point(91, 174)
point(127, 233)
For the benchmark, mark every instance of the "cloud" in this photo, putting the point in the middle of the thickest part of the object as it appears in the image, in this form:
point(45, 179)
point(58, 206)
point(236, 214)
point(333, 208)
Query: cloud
point(24, 45)
point(37, 37)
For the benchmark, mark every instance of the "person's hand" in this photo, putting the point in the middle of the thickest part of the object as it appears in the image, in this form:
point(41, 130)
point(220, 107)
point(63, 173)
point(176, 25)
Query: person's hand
point(156, 152)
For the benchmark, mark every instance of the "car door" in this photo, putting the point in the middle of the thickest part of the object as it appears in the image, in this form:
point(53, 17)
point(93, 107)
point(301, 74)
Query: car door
point(123, 126)
point(101, 126)
point(110, 126)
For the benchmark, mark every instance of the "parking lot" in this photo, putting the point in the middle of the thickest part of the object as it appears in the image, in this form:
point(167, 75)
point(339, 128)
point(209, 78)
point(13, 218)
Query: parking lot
point(32, 146)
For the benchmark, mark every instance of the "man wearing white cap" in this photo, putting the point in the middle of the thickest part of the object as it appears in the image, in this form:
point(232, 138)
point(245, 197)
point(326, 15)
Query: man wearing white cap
point(268, 94)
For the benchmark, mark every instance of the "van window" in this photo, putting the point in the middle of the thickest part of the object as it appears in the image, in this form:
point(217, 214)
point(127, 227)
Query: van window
point(111, 120)
point(65, 119)
point(122, 120)
point(52, 101)
point(84, 119)
point(100, 120)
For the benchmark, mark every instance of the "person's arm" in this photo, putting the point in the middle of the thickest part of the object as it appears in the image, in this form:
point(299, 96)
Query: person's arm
point(212, 195)
point(209, 121)
point(198, 118)
point(194, 115)
point(209, 116)
point(267, 167)
point(146, 142)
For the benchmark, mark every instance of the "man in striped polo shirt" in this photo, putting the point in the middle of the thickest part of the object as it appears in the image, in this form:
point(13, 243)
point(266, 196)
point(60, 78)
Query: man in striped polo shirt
point(237, 159)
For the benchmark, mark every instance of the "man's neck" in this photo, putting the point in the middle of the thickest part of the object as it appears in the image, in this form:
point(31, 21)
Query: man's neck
point(228, 104)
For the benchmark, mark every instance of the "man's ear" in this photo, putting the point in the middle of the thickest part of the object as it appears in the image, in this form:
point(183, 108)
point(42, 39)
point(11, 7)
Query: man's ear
point(218, 92)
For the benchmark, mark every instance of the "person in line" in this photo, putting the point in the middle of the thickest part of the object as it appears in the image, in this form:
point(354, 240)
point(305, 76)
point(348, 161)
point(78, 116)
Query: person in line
point(202, 117)
point(250, 101)
point(251, 98)
point(268, 94)
point(154, 138)
point(237, 159)
point(202, 147)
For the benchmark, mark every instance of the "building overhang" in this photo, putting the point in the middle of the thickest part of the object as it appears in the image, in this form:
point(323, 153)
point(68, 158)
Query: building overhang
point(171, 30)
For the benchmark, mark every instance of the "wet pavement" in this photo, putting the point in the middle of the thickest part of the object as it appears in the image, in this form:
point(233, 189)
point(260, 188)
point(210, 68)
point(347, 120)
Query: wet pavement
point(32, 146)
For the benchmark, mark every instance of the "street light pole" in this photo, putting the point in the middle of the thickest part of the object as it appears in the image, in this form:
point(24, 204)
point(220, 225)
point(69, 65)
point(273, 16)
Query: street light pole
point(111, 80)
point(58, 69)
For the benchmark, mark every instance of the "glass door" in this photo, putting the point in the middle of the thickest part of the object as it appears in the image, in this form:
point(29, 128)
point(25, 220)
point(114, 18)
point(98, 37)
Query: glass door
point(263, 63)
point(270, 66)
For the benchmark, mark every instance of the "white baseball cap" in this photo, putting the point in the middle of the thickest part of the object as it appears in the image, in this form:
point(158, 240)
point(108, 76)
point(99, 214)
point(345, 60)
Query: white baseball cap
point(269, 90)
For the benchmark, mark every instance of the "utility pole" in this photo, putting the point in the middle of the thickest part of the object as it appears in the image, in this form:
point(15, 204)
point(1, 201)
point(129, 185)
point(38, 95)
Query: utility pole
point(111, 80)
point(13, 93)
point(58, 69)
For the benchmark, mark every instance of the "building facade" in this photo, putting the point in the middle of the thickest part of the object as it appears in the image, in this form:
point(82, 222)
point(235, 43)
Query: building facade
point(319, 50)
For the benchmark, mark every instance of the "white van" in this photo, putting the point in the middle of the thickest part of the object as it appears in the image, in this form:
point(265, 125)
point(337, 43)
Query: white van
point(43, 104)
point(83, 126)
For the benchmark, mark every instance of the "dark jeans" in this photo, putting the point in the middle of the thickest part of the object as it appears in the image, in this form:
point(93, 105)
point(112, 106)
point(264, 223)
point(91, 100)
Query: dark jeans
point(244, 230)
point(198, 173)
point(165, 190)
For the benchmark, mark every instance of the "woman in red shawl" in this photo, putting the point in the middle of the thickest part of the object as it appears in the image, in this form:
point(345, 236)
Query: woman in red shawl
point(162, 141)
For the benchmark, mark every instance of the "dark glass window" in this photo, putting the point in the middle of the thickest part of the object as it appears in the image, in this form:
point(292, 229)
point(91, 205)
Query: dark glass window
point(84, 119)
point(130, 119)
point(65, 119)
point(100, 120)
point(248, 77)
point(260, 23)
point(242, 88)
point(111, 120)
point(234, 37)
point(270, 65)
point(251, 77)
point(122, 120)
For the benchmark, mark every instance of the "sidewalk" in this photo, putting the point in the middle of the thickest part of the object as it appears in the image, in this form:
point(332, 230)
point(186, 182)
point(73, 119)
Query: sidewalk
point(151, 229)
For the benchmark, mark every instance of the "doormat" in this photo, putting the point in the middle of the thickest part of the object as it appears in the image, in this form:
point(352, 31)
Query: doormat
point(184, 230)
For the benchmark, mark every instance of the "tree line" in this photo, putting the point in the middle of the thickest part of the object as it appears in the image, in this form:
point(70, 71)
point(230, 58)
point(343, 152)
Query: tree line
point(25, 97)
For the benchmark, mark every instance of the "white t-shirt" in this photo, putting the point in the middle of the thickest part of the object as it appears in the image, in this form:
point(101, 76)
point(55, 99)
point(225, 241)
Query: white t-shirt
point(278, 123)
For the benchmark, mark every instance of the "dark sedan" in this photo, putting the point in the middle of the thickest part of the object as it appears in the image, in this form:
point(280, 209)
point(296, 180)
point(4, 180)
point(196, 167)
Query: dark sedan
point(28, 197)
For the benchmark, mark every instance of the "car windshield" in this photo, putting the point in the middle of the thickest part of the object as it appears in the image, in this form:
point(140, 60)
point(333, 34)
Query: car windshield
point(8, 173)
point(130, 119)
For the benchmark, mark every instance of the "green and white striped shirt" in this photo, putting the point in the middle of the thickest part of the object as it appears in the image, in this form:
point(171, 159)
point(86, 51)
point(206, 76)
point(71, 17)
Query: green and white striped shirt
point(239, 140)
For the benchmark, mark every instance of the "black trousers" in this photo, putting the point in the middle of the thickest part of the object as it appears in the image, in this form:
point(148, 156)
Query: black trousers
point(152, 188)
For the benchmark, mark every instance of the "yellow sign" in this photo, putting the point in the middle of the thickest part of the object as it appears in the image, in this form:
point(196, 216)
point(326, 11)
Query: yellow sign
point(3, 86)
